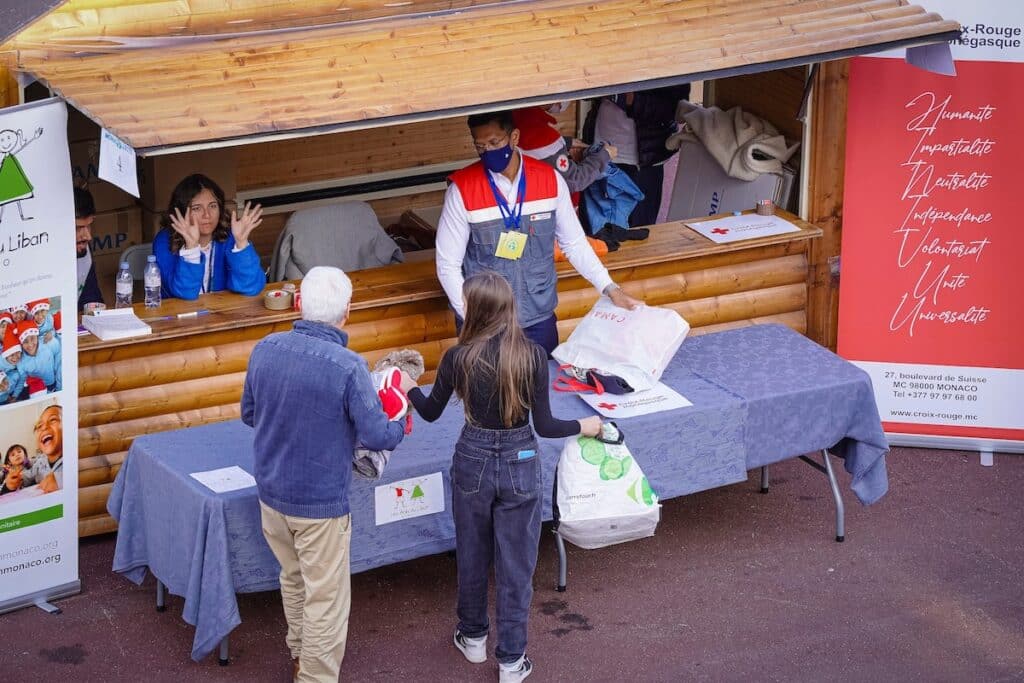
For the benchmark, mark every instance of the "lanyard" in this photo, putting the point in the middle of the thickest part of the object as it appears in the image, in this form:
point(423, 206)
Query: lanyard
point(511, 219)
point(207, 271)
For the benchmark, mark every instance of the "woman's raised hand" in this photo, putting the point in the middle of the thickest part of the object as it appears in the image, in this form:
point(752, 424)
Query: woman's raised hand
point(242, 225)
point(186, 226)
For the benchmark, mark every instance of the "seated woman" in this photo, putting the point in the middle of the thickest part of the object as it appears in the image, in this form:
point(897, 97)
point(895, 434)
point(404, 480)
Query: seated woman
point(204, 248)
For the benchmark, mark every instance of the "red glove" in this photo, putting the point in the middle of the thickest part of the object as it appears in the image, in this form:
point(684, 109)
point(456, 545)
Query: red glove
point(393, 399)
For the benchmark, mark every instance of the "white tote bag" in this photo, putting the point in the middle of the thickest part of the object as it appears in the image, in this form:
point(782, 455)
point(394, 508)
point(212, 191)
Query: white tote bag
point(602, 495)
point(636, 345)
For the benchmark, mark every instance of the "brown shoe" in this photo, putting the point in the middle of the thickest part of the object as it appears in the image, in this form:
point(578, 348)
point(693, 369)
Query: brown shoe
point(295, 666)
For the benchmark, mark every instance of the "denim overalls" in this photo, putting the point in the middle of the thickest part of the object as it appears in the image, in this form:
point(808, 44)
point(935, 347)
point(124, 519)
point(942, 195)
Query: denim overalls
point(496, 504)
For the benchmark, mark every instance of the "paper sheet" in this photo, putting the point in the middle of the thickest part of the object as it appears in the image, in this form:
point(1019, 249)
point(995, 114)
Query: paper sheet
point(115, 323)
point(745, 227)
point(661, 397)
point(409, 498)
point(117, 163)
point(225, 479)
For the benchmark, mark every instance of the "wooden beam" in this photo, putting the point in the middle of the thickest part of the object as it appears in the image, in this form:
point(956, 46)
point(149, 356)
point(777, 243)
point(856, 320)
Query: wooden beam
point(10, 94)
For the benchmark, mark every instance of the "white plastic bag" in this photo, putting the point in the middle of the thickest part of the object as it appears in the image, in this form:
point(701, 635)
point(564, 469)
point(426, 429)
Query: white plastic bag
point(636, 345)
point(602, 495)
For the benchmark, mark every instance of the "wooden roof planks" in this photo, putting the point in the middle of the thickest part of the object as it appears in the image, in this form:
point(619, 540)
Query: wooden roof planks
point(205, 84)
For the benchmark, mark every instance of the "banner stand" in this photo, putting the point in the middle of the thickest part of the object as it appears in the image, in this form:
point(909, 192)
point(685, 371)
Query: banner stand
point(930, 241)
point(986, 447)
point(39, 284)
point(41, 599)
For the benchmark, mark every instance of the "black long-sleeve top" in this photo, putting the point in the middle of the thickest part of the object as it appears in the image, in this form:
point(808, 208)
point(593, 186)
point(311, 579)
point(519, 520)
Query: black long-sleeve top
point(483, 397)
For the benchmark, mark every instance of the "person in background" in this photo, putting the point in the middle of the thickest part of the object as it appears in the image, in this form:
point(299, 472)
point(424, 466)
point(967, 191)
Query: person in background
point(85, 215)
point(202, 247)
point(509, 197)
point(45, 320)
point(47, 466)
point(310, 400)
point(540, 138)
point(638, 124)
point(38, 360)
point(497, 481)
point(9, 359)
point(19, 312)
point(6, 321)
point(15, 471)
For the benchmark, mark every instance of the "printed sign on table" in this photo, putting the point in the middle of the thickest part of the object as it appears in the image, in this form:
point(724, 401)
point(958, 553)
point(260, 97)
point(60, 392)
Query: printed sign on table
point(745, 227)
point(928, 303)
point(409, 498)
point(655, 400)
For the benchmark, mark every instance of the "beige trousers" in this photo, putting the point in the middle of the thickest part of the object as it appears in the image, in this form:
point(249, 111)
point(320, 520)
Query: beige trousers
point(315, 588)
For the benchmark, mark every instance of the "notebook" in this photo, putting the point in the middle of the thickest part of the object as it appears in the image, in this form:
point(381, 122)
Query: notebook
point(116, 323)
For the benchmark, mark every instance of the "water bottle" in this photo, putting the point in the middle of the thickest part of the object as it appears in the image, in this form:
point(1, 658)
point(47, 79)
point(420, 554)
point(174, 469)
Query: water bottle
point(123, 287)
point(151, 280)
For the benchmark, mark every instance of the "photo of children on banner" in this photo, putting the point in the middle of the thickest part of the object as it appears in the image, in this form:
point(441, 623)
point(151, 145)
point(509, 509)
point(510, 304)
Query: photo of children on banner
point(43, 470)
point(30, 360)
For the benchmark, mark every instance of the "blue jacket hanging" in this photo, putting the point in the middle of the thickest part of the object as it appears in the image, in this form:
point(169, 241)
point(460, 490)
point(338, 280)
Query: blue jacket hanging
point(610, 199)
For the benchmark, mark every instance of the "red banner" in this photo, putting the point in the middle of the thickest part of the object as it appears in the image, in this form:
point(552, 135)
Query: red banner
point(929, 302)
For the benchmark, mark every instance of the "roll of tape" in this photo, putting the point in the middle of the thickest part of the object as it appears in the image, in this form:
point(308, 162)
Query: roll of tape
point(277, 300)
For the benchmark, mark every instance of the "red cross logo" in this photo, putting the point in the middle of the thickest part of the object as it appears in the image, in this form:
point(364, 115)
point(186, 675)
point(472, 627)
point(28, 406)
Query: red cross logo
point(720, 231)
point(562, 163)
point(608, 406)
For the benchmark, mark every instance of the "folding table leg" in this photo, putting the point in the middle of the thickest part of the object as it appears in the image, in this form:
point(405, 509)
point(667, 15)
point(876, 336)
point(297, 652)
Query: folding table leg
point(562, 561)
point(160, 596)
point(840, 525)
point(764, 479)
point(222, 656)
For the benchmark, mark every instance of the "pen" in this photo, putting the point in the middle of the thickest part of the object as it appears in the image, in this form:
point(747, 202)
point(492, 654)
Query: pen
point(180, 316)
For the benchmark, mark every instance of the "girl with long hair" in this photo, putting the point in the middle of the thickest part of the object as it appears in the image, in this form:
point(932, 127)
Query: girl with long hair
point(501, 379)
point(202, 247)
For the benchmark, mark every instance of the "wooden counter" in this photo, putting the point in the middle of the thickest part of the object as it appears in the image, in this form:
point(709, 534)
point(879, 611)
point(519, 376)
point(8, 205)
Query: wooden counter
point(190, 372)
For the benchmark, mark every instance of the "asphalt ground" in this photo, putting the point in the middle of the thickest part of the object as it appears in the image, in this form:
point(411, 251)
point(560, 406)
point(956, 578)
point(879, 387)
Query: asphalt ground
point(735, 586)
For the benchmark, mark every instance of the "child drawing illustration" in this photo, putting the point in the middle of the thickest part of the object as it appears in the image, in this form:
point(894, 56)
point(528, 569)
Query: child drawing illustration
point(14, 183)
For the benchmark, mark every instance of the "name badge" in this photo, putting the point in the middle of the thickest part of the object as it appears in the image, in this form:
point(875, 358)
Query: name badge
point(526, 455)
point(540, 216)
point(511, 245)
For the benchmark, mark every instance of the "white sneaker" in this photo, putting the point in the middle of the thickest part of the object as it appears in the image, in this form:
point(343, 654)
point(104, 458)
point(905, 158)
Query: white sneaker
point(474, 649)
point(516, 671)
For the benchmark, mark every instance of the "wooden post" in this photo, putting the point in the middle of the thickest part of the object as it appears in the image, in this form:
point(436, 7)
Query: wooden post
point(825, 208)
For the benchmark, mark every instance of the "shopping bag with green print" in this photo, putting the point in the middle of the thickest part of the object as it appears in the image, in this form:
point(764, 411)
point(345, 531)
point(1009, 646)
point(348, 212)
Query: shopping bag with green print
point(601, 493)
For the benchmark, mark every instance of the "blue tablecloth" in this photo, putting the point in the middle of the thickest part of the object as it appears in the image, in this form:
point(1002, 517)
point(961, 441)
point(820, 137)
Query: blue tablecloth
point(760, 395)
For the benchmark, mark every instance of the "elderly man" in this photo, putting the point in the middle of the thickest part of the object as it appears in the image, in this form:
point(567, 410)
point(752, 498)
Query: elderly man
point(310, 401)
point(505, 213)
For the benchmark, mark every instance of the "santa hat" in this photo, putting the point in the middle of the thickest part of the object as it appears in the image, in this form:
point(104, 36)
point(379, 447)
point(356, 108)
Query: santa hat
point(26, 329)
point(38, 305)
point(536, 128)
point(11, 345)
point(6, 317)
point(36, 386)
point(18, 307)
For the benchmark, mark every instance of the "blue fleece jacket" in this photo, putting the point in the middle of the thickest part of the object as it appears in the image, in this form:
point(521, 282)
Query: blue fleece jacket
point(238, 272)
point(311, 400)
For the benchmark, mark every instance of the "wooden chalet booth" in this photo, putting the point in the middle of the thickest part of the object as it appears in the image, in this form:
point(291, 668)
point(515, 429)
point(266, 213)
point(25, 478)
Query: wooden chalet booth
point(295, 102)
